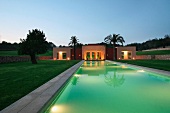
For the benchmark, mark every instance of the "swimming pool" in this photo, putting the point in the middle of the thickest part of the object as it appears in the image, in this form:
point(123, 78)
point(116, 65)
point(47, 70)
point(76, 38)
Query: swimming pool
point(106, 87)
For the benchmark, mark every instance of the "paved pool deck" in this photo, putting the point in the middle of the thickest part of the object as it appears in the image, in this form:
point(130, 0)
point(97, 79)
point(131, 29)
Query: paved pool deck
point(167, 73)
point(37, 99)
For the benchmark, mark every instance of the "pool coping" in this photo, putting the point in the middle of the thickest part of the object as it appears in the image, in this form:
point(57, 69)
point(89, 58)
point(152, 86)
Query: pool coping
point(35, 100)
point(167, 73)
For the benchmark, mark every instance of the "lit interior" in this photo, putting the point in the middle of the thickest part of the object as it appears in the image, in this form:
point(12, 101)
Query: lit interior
point(125, 54)
point(93, 55)
point(60, 57)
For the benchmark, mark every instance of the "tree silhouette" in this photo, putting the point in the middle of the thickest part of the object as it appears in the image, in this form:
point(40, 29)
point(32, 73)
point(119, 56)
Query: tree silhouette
point(74, 42)
point(114, 39)
point(35, 43)
point(152, 43)
point(114, 80)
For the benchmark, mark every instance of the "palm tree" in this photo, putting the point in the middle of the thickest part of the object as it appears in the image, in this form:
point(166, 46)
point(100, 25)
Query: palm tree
point(114, 39)
point(74, 42)
point(114, 80)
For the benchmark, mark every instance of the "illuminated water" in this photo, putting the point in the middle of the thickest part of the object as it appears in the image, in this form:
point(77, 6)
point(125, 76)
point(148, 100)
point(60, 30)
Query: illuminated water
point(103, 87)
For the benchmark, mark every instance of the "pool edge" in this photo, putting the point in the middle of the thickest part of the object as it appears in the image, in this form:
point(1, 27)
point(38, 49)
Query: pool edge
point(35, 100)
point(167, 73)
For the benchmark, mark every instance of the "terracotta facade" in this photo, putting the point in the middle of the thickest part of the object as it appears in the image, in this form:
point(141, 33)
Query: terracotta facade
point(94, 52)
point(125, 53)
point(59, 53)
point(78, 53)
point(109, 53)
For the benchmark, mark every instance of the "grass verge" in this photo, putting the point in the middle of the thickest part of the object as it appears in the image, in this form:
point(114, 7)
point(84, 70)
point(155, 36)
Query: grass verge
point(157, 64)
point(15, 53)
point(9, 53)
point(18, 79)
point(156, 52)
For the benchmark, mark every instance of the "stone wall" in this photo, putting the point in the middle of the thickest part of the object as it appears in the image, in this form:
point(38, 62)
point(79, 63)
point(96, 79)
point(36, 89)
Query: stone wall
point(153, 57)
point(44, 57)
point(147, 57)
point(167, 48)
point(162, 57)
point(9, 59)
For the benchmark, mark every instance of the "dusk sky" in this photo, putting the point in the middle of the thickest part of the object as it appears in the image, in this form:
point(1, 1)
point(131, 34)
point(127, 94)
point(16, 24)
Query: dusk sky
point(90, 20)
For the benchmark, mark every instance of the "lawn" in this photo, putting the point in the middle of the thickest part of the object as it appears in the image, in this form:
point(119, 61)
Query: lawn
point(18, 79)
point(8, 53)
point(157, 52)
point(157, 64)
point(15, 53)
point(48, 53)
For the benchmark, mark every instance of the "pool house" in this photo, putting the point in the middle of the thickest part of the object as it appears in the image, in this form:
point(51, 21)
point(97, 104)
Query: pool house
point(94, 52)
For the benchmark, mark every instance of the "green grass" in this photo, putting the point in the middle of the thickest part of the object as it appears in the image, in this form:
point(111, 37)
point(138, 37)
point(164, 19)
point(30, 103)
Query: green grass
point(157, 64)
point(157, 52)
point(8, 53)
point(48, 53)
point(15, 53)
point(18, 79)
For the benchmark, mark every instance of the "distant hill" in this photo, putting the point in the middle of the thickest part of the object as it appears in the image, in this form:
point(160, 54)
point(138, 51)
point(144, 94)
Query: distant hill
point(7, 46)
point(152, 44)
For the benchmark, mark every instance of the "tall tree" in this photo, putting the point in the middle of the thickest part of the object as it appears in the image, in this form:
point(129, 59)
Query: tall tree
point(114, 39)
point(34, 44)
point(74, 42)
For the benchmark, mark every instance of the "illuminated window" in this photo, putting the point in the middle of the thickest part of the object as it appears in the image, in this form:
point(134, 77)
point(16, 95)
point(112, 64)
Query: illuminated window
point(122, 54)
point(88, 55)
point(129, 55)
point(98, 55)
point(93, 55)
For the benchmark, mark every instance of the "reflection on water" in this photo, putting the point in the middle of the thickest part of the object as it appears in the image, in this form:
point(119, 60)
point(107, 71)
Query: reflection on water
point(75, 80)
point(113, 79)
point(90, 91)
point(93, 63)
point(92, 68)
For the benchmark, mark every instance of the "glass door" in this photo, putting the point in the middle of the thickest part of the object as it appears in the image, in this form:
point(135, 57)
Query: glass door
point(93, 55)
point(88, 56)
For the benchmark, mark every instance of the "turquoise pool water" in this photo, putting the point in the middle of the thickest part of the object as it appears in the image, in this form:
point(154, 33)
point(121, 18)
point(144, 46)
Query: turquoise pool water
point(105, 87)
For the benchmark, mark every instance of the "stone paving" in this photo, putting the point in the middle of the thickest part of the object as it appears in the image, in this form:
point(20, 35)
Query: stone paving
point(34, 101)
point(167, 73)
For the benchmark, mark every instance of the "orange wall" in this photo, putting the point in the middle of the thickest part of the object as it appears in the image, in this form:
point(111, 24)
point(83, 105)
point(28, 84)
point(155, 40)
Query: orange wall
point(94, 48)
point(128, 48)
point(106, 53)
point(66, 50)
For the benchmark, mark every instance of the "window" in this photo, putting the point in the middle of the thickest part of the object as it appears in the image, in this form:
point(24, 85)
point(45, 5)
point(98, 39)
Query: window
point(93, 55)
point(64, 55)
point(88, 55)
point(129, 55)
point(122, 54)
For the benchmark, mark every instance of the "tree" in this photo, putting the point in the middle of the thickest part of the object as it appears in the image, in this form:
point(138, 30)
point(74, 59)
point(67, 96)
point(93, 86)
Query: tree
point(112, 79)
point(114, 40)
point(74, 42)
point(34, 44)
